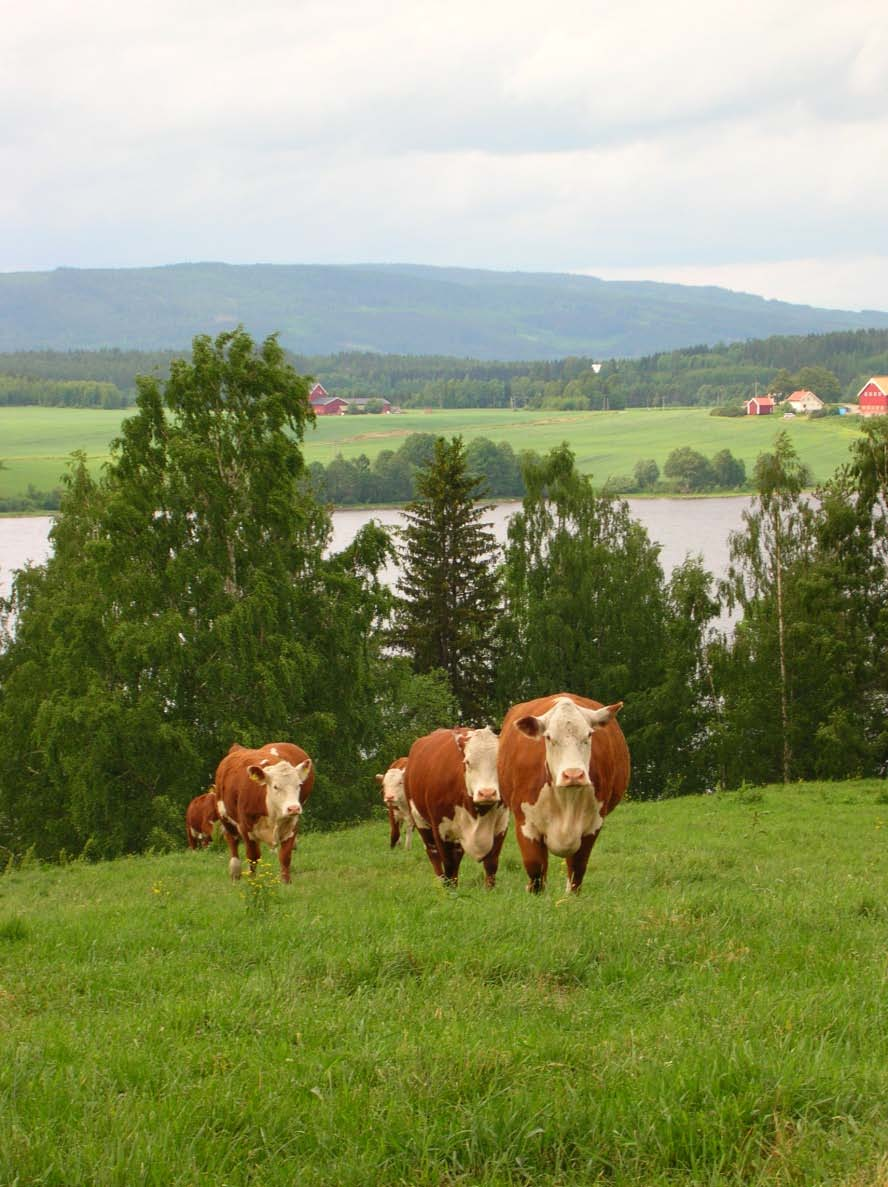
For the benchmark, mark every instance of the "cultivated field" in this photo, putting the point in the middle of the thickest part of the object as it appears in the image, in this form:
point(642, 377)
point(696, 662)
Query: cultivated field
point(36, 442)
point(710, 1011)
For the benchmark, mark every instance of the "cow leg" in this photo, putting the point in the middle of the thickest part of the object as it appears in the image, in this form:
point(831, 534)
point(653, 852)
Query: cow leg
point(234, 864)
point(453, 855)
point(535, 856)
point(577, 862)
point(394, 829)
point(428, 839)
point(408, 833)
point(491, 862)
point(253, 853)
point(285, 853)
point(190, 837)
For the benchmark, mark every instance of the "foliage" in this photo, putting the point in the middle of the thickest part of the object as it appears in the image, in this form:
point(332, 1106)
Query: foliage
point(391, 476)
point(802, 679)
point(834, 365)
point(187, 605)
point(588, 611)
point(450, 600)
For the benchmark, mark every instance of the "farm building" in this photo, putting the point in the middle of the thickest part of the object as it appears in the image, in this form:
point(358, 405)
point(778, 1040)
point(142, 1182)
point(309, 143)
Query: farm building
point(760, 406)
point(873, 396)
point(326, 405)
point(323, 403)
point(803, 401)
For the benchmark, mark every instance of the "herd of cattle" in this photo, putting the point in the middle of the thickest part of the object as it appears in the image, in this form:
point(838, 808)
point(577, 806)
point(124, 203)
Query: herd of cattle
point(559, 765)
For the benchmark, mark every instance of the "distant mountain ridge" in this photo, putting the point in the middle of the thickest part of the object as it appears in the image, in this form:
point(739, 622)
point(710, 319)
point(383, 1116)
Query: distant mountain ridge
point(391, 309)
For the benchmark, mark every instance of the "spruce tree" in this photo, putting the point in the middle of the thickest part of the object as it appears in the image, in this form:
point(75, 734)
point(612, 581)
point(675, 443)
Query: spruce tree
point(449, 600)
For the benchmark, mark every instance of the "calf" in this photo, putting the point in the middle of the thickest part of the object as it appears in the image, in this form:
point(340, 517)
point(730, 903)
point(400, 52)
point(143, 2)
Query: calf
point(451, 785)
point(392, 785)
point(563, 766)
point(200, 816)
point(260, 796)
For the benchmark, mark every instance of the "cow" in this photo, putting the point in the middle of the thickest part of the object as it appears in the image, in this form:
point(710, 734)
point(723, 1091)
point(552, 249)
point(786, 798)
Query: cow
point(563, 766)
point(392, 785)
point(451, 786)
point(260, 796)
point(200, 816)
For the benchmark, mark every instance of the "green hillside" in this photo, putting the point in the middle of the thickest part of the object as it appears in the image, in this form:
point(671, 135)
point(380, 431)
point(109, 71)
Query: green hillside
point(710, 1010)
point(401, 309)
point(36, 442)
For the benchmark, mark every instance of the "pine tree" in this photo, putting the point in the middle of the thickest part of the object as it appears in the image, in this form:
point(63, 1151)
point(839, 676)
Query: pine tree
point(450, 600)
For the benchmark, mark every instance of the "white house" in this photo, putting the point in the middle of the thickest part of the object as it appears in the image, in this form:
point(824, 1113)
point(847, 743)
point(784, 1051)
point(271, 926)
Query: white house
point(803, 401)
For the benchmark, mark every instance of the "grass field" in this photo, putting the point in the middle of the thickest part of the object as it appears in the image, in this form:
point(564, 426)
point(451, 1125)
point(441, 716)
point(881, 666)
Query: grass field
point(36, 442)
point(710, 1011)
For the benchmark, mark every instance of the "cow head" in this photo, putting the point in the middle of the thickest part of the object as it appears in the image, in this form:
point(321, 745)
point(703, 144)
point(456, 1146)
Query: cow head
point(283, 786)
point(567, 730)
point(392, 784)
point(479, 750)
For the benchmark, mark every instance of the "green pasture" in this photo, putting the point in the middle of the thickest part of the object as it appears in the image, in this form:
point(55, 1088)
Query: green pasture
point(711, 1010)
point(35, 443)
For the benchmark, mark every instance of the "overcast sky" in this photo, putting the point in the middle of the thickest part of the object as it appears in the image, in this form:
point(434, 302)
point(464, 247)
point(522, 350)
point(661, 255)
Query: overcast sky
point(744, 145)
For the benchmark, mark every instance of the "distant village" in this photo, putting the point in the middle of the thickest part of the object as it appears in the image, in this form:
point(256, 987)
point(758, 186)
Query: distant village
point(872, 400)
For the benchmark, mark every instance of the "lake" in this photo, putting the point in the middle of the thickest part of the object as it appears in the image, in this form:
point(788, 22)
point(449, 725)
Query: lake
point(679, 526)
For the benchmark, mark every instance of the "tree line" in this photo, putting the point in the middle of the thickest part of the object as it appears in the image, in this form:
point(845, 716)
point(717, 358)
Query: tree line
point(190, 601)
point(392, 475)
point(834, 365)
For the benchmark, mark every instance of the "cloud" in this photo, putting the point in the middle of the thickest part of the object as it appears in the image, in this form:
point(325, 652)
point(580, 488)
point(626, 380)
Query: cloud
point(579, 136)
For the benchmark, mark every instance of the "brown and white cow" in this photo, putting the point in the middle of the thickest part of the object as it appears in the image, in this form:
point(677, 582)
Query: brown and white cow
point(260, 796)
point(392, 786)
point(563, 766)
point(200, 816)
point(451, 785)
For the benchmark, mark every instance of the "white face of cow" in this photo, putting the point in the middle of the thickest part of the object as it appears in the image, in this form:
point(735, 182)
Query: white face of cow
point(479, 752)
point(283, 787)
point(393, 795)
point(567, 731)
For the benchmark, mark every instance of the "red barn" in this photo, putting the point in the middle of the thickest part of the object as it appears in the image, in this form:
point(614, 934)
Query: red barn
point(760, 406)
point(324, 404)
point(873, 397)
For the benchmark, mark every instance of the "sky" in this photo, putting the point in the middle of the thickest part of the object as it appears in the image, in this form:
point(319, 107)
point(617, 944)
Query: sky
point(703, 143)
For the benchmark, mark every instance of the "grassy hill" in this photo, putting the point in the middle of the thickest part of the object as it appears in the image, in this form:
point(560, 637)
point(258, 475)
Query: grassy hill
point(711, 1010)
point(38, 441)
point(400, 309)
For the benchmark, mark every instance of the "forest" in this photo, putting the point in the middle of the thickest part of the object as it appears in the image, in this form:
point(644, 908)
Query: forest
point(190, 602)
point(834, 365)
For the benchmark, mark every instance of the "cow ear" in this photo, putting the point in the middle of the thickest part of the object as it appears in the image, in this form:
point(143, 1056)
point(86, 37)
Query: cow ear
point(599, 717)
point(256, 773)
point(303, 770)
point(531, 726)
point(379, 778)
point(460, 740)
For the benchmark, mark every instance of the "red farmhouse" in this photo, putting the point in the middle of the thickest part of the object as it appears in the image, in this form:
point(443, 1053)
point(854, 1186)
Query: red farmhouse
point(324, 404)
point(873, 397)
point(760, 406)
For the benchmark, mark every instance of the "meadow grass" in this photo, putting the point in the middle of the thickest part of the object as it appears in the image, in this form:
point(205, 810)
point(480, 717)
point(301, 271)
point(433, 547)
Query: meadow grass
point(710, 1010)
point(35, 443)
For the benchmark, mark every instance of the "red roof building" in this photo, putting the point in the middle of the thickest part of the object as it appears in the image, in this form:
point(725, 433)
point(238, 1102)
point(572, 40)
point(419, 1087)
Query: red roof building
point(760, 406)
point(803, 401)
point(873, 396)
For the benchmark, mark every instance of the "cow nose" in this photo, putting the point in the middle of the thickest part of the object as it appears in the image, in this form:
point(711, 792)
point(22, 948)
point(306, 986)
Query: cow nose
point(487, 795)
point(294, 809)
point(573, 777)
